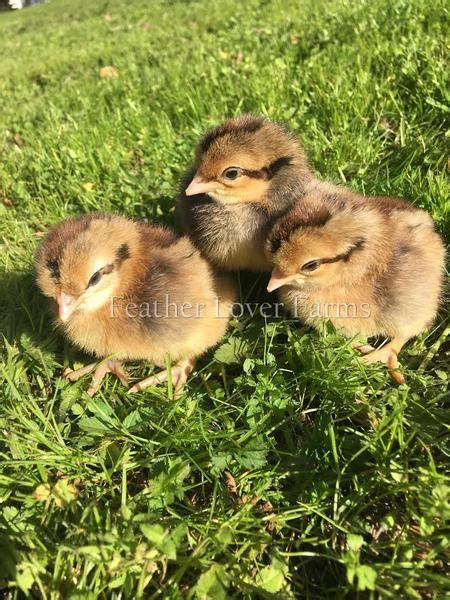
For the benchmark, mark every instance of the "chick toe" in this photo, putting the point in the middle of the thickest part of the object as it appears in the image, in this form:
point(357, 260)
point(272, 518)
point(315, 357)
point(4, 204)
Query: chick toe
point(109, 366)
point(363, 348)
point(78, 373)
point(387, 355)
point(179, 374)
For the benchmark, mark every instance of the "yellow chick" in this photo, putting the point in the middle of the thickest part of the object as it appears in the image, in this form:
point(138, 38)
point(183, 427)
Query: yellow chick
point(248, 172)
point(372, 266)
point(129, 291)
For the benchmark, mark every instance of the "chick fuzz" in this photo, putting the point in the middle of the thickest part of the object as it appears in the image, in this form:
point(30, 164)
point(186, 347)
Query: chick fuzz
point(372, 266)
point(129, 291)
point(247, 173)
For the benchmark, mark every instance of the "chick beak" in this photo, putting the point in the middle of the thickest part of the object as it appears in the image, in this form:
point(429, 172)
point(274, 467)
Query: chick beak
point(66, 305)
point(277, 280)
point(199, 186)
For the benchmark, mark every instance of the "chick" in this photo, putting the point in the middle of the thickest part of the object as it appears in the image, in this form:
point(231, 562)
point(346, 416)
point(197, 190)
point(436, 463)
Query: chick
point(372, 266)
point(248, 171)
point(128, 291)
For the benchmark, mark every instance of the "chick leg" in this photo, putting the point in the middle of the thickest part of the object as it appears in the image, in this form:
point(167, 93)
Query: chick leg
point(108, 366)
point(388, 355)
point(179, 374)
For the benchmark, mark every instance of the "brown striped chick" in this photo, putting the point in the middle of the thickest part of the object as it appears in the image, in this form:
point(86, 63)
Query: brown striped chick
point(129, 291)
point(372, 266)
point(248, 171)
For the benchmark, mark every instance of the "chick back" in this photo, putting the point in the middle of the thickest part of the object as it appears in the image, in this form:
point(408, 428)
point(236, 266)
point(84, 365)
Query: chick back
point(410, 287)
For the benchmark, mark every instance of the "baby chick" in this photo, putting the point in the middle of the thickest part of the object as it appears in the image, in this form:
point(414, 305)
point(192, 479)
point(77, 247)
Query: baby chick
point(247, 173)
point(372, 266)
point(129, 291)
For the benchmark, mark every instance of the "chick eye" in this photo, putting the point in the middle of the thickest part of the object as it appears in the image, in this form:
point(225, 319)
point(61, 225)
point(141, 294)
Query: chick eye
point(312, 265)
point(95, 278)
point(232, 173)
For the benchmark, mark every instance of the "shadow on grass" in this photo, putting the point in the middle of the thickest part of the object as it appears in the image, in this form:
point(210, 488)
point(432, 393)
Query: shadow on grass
point(160, 211)
point(23, 309)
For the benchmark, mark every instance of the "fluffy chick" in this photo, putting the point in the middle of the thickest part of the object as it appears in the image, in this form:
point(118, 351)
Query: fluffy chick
point(248, 171)
point(372, 266)
point(128, 291)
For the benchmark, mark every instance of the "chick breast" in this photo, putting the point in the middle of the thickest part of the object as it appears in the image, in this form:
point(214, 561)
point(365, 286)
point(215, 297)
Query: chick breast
point(231, 237)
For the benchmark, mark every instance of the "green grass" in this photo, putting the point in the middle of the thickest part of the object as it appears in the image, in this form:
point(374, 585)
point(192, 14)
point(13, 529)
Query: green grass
point(286, 469)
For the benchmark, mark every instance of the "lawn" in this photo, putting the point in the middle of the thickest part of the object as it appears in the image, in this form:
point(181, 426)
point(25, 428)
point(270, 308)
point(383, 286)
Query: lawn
point(286, 469)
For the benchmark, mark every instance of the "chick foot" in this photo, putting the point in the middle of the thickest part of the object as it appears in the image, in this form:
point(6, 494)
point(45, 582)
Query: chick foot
point(363, 348)
point(179, 374)
point(107, 366)
point(388, 355)
point(75, 375)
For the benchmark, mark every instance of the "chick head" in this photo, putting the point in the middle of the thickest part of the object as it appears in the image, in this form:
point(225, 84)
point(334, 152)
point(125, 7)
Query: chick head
point(319, 249)
point(81, 261)
point(239, 160)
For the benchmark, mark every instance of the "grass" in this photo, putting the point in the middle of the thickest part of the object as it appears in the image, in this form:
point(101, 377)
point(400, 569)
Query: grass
point(286, 469)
